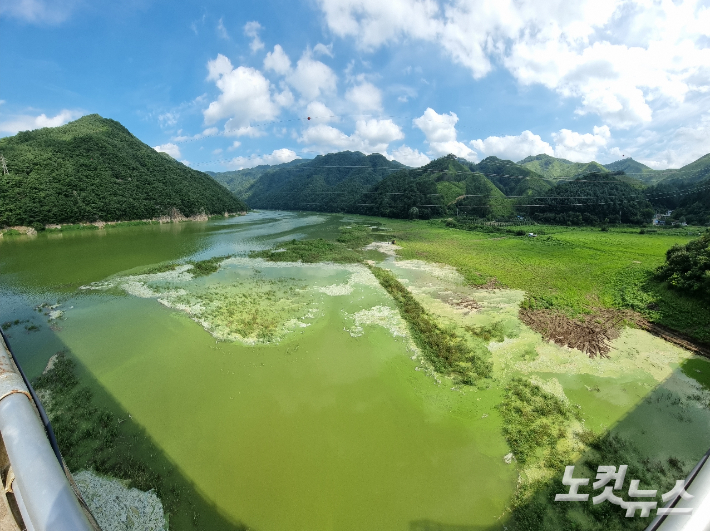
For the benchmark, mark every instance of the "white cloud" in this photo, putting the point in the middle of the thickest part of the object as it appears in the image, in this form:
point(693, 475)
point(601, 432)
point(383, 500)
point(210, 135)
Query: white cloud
point(26, 122)
point(284, 98)
point(277, 61)
point(580, 147)
point(245, 96)
point(278, 156)
point(217, 151)
point(322, 49)
point(312, 78)
point(221, 30)
point(621, 59)
point(319, 113)
point(234, 145)
point(370, 136)
point(168, 119)
point(38, 11)
point(513, 147)
point(409, 157)
point(169, 148)
point(673, 148)
point(251, 30)
point(440, 132)
point(365, 96)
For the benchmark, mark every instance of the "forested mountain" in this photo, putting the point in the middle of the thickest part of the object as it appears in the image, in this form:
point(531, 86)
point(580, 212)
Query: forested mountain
point(556, 169)
point(239, 181)
point(439, 188)
point(688, 199)
point(694, 172)
point(327, 183)
point(595, 198)
point(95, 169)
point(509, 177)
point(635, 169)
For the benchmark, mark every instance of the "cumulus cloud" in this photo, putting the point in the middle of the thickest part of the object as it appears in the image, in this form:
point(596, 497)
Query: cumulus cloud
point(440, 132)
point(365, 96)
point(311, 78)
point(370, 136)
point(679, 146)
point(621, 60)
point(277, 61)
point(322, 49)
point(579, 147)
point(278, 156)
point(409, 157)
point(251, 30)
point(25, 122)
point(513, 147)
point(319, 112)
point(169, 148)
point(245, 96)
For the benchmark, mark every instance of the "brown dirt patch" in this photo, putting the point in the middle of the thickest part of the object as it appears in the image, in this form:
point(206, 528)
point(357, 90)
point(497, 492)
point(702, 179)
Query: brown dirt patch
point(591, 334)
point(491, 283)
point(466, 303)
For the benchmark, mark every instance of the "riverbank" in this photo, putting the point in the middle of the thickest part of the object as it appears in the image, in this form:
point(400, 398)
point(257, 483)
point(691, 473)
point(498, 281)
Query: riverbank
point(175, 217)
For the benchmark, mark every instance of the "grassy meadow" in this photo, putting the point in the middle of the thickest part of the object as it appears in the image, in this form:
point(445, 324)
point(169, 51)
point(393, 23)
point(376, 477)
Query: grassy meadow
point(571, 269)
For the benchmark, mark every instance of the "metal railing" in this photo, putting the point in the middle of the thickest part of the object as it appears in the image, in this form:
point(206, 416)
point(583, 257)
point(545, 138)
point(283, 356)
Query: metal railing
point(38, 478)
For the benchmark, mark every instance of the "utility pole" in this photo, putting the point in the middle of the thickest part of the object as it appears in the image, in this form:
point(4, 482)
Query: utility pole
point(4, 166)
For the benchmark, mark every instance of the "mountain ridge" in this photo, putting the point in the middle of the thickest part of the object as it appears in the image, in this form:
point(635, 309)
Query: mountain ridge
point(94, 169)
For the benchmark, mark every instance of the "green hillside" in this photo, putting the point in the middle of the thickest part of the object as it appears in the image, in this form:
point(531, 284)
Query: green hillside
point(442, 187)
point(688, 200)
point(598, 198)
point(556, 169)
point(694, 172)
point(505, 174)
point(327, 183)
point(95, 169)
point(239, 181)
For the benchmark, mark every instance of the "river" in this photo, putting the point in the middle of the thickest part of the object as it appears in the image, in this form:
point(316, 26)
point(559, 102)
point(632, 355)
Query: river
point(289, 396)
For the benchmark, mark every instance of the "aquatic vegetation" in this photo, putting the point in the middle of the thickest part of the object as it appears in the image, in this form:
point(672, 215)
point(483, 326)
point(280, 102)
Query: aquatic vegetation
point(572, 270)
point(207, 267)
point(117, 507)
point(383, 316)
point(356, 236)
point(106, 442)
point(535, 420)
point(257, 311)
point(310, 252)
point(443, 348)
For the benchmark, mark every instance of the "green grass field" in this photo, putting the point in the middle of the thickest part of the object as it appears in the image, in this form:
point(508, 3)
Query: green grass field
point(574, 270)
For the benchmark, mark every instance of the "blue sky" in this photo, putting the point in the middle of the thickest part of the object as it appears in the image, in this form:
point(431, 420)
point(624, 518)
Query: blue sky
point(228, 85)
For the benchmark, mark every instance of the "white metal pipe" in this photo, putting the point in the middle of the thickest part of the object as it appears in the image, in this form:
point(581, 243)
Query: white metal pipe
point(49, 500)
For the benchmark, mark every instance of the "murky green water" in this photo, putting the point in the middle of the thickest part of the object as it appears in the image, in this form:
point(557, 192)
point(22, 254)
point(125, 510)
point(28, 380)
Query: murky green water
point(326, 426)
point(291, 395)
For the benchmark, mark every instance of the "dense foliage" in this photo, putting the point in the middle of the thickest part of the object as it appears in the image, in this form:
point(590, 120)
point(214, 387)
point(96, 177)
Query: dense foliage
point(328, 183)
point(687, 267)
point(689, 201)
point(443, 348)
point(595, 198)
point(239, 181)
point(95, 169)
point(555, 169)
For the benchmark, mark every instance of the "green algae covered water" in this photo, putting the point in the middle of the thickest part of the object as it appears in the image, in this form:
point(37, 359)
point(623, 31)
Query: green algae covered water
point(291, 396)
